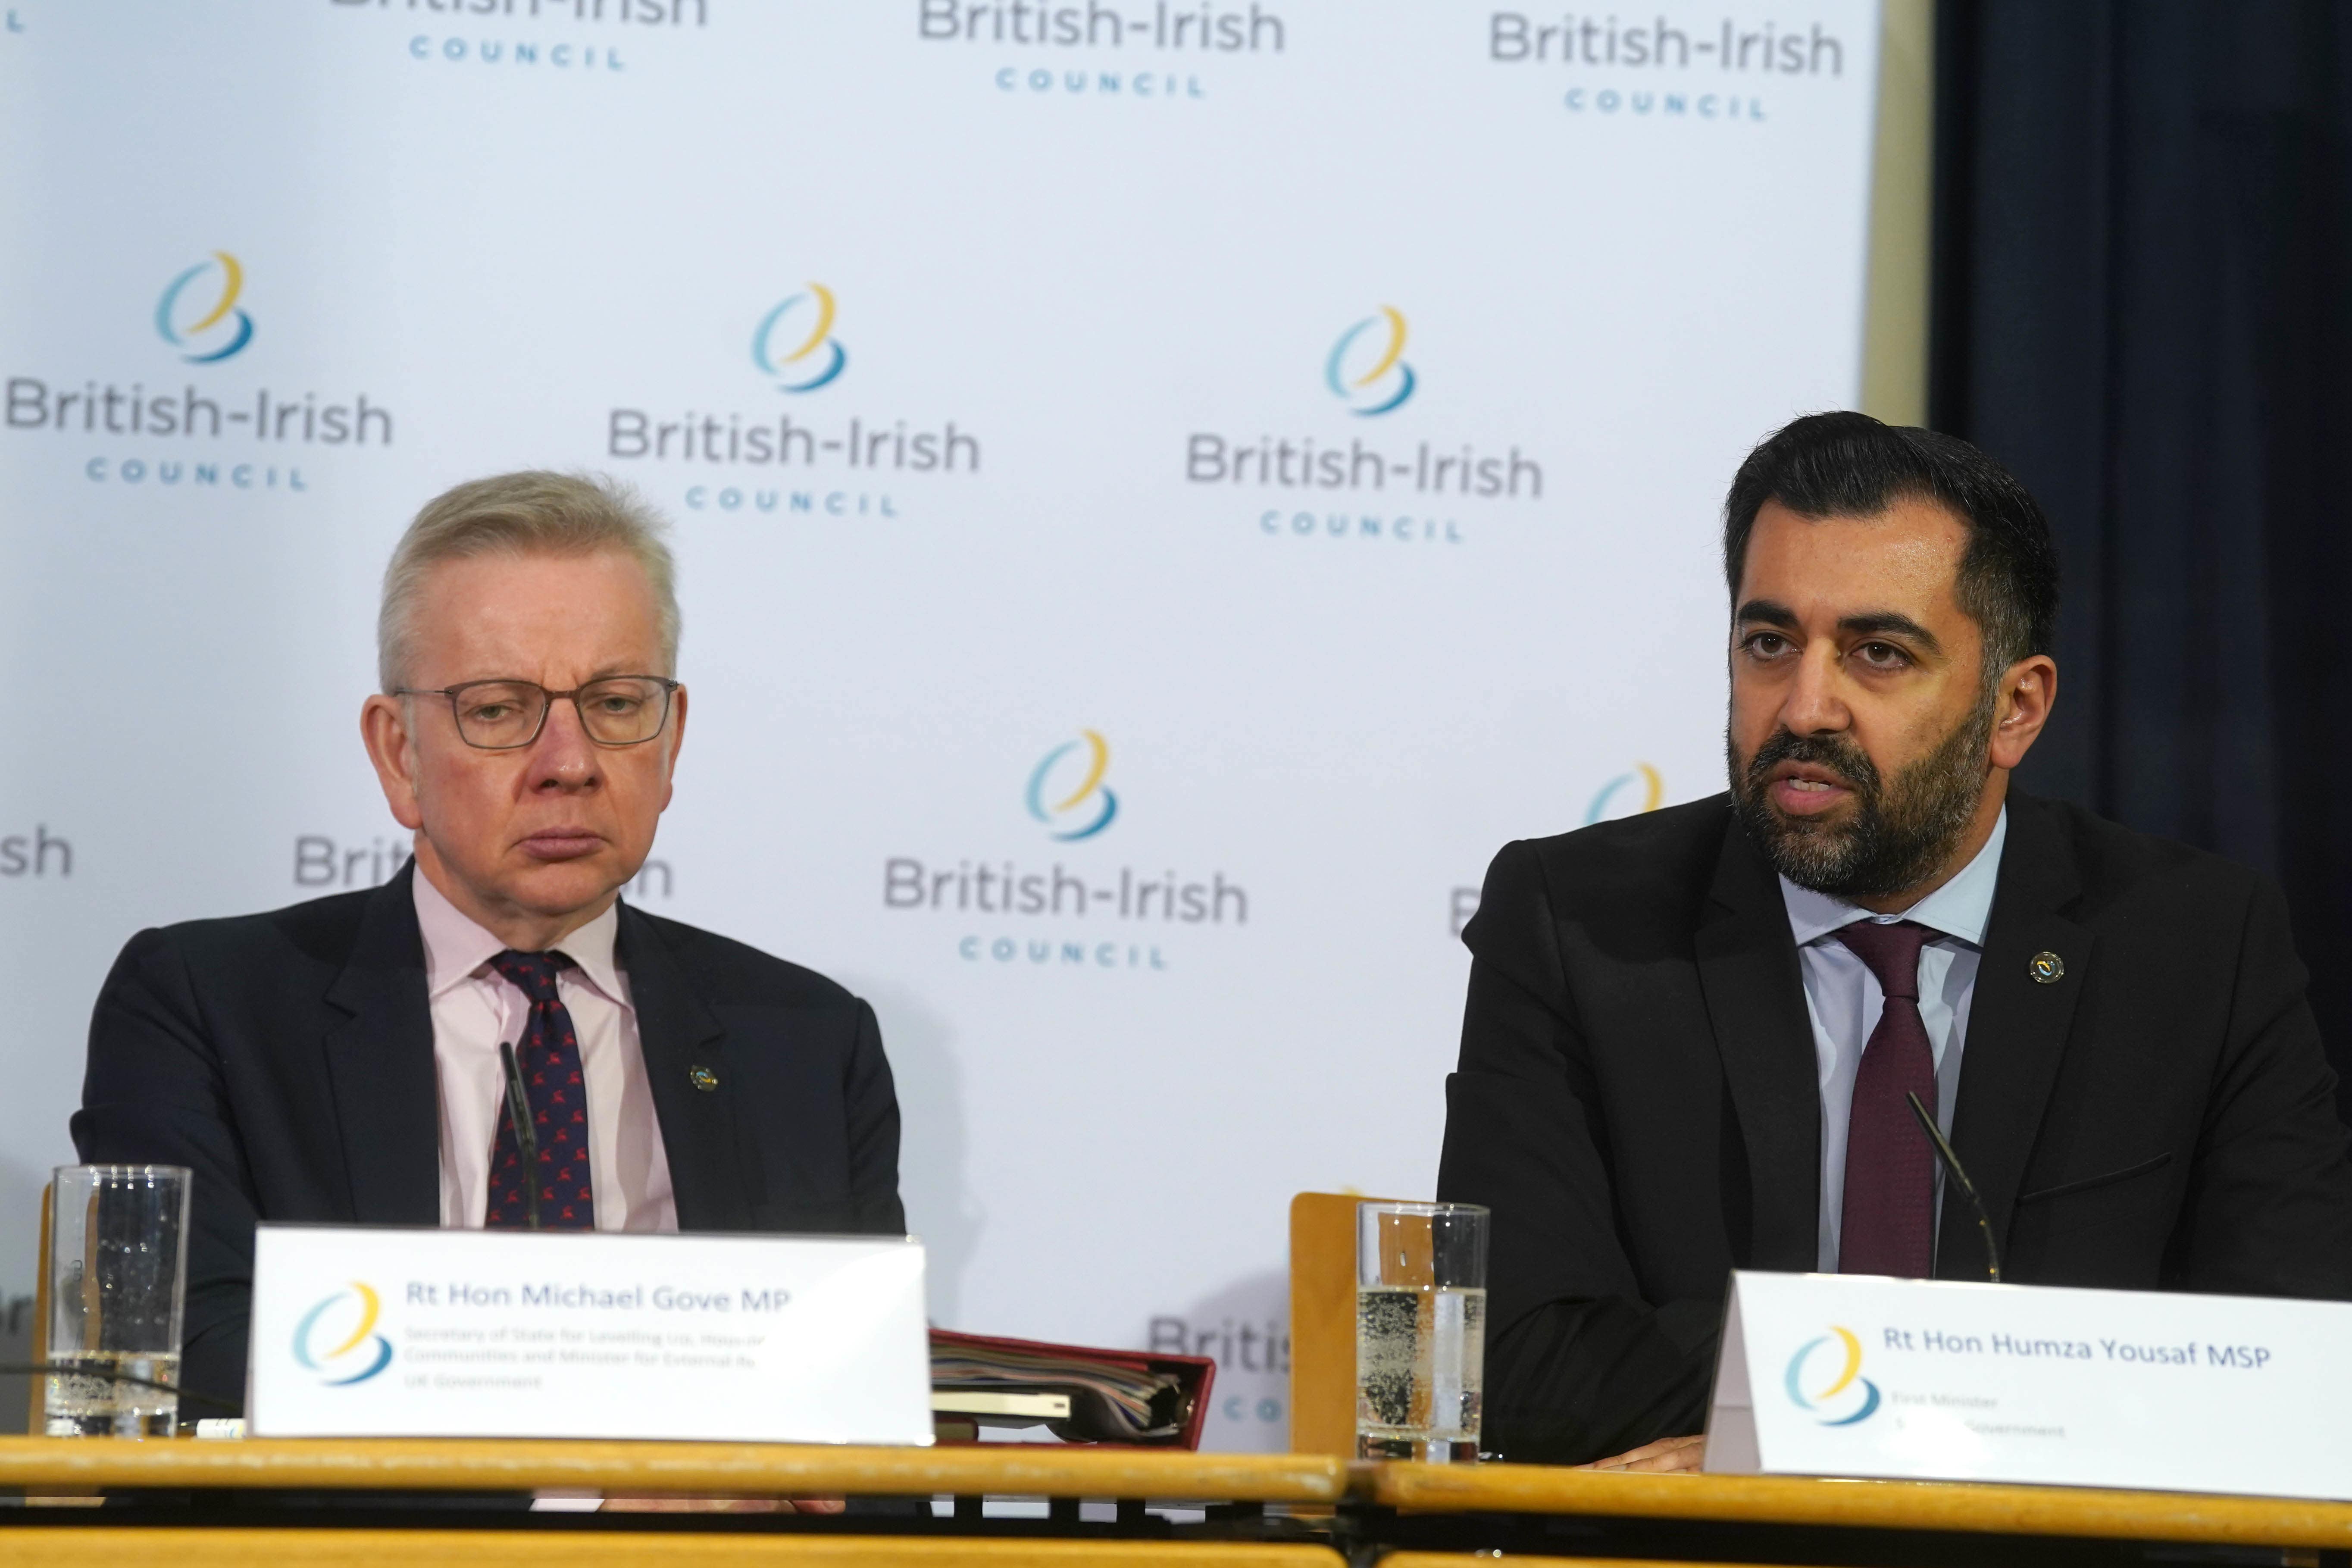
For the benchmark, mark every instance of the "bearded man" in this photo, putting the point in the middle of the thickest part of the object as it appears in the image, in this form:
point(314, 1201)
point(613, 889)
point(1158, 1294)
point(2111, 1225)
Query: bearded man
point(1691, 1036)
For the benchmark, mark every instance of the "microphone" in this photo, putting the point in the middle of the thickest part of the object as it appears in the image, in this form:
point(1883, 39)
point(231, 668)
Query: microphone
point(1959, 1177)
point(527, 1133)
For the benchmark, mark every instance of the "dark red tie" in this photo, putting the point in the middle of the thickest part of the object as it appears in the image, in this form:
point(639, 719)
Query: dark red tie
point(548, 1057)
point(1889, 1221)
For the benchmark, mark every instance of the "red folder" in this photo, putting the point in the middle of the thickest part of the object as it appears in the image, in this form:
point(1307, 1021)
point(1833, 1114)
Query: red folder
point(1175, 1409)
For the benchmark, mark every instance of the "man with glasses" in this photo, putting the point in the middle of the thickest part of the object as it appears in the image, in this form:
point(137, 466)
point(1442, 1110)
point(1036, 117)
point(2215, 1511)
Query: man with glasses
point(341, 1061)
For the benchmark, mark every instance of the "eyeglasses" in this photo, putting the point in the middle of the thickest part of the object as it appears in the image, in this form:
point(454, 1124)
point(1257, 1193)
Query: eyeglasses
point(506, 715)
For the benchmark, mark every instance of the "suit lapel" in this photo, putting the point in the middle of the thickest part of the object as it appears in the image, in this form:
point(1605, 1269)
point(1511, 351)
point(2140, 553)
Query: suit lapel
point(1755, 1000)
point(684, 1044)
point(380, 1063)
point(2017, 1029)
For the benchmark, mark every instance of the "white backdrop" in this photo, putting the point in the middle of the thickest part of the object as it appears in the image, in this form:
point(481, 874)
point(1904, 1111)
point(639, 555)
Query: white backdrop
point(1291, 430)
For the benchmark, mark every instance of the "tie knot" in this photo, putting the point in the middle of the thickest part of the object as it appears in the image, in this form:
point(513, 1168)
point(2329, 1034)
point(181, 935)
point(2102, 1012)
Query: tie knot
point(1891, 950)
point(533, 974)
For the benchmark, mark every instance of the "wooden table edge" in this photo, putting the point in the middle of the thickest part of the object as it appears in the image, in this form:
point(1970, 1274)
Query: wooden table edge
point(1016, 1469)
point(1961, 1507)
point(215, 1546)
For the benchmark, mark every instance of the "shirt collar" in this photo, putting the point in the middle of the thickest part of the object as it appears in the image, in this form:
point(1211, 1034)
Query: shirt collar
point(455, 947)
point(1961, 909)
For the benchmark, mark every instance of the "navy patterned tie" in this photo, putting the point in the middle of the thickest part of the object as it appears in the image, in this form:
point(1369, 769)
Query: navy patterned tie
point(548, 1057)
point(1889, 1221)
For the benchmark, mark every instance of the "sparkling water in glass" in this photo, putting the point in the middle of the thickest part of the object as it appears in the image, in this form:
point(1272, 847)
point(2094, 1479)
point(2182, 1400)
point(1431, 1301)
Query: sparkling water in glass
point(118, 1286)
point(1420, 1329)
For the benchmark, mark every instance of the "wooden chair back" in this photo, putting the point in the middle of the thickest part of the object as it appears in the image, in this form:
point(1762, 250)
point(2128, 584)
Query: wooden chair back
point(1323, 1322)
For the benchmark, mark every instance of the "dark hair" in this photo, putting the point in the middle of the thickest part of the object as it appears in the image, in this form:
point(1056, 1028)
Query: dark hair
point(1850, 465)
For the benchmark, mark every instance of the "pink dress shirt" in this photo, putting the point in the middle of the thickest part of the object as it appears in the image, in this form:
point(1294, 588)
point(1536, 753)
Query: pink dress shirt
point(474, 1009)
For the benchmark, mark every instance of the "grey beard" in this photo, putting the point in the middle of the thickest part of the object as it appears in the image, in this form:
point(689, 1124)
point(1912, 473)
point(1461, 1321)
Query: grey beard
point(1899, 833)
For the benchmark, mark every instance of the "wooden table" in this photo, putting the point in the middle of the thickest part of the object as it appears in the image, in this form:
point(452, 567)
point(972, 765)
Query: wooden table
point(346, 1531)
point(780, 1469)
point(393, 1504)
point(1793, 1509)
point(204, 1547)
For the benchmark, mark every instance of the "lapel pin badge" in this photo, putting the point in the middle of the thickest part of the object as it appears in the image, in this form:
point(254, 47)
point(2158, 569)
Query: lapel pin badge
point(2047, 968)
point(704, 1079)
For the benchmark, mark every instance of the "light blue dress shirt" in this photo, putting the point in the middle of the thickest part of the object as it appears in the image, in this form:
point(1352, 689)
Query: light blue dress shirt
point(1844, 1000)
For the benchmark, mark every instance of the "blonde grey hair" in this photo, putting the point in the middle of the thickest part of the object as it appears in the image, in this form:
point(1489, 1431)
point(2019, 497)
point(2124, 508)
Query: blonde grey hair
point(532, 512)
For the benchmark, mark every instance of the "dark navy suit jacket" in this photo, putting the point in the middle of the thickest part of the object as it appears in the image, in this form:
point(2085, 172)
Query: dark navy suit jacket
point(286, 1058)
point(1638, 1101)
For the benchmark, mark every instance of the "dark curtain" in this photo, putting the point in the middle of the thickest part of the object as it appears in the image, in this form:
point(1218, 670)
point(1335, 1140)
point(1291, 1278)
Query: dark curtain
point(2144, 307)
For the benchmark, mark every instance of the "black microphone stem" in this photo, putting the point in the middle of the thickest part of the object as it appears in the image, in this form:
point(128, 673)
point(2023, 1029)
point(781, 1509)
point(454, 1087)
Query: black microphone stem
point(527, 1134)
point(1960, 1179)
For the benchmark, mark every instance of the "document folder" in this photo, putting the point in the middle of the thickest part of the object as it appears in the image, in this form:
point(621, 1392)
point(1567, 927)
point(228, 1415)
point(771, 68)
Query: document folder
point(1132, 1398)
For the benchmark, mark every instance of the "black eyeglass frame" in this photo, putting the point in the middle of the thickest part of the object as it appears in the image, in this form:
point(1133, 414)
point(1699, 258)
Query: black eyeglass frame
point(668, 689)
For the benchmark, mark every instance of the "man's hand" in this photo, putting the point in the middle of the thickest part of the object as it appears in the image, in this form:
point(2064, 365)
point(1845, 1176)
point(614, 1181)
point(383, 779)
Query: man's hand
point(1667, 1454)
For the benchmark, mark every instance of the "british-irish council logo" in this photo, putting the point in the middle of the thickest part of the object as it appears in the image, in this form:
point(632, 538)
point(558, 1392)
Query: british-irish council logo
point(1367, 369)
point(1619, 795)
point(796, 343)
point(337, 1338)
point(1825, 1379)
point(1066, 792)
point(198, 313)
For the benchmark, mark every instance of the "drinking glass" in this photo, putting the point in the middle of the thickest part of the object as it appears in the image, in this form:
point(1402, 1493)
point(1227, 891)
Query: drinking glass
point(1420, 1329)
point(118, 1286)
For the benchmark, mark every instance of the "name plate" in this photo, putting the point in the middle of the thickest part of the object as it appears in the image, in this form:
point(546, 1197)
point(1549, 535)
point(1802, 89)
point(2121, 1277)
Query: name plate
point(1827, 1375)
point(365, 1332)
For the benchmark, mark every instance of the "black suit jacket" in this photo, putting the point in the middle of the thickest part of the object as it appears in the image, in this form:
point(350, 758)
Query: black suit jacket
point(286, 1058)
point(1637, 1101)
